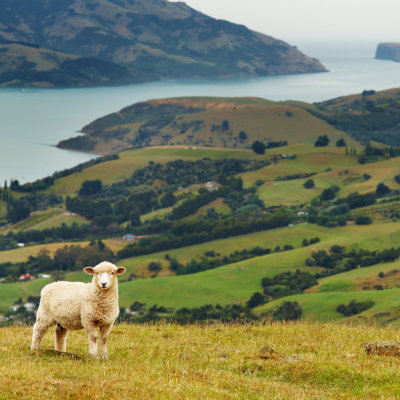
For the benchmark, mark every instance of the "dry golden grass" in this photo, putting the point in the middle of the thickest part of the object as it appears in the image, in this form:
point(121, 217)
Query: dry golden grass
point(167, 361)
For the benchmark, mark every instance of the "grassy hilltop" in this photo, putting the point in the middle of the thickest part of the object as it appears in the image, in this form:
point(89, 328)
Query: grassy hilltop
point(166, 361)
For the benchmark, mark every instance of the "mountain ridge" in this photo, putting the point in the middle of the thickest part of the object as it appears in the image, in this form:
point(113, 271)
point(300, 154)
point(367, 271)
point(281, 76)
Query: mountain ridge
point(155, 39)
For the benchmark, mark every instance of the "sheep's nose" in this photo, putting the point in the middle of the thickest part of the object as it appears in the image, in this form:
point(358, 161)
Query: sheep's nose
point(104, 284)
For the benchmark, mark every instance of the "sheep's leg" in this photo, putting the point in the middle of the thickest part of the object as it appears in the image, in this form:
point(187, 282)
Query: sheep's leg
point(92, 334)
point(39, 329)
point(60, 338)
point(104, 332)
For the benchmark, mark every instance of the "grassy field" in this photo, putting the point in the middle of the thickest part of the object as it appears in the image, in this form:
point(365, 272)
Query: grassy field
point(322, 306)
point(22, 254)
point(167, 361)
point(131, 160)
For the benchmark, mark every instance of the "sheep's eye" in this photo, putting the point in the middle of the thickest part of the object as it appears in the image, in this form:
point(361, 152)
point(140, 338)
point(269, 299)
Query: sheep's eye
point(97, 273)
point(112, 273)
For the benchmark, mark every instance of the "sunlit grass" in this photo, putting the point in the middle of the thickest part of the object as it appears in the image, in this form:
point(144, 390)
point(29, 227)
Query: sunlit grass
point(167, 361)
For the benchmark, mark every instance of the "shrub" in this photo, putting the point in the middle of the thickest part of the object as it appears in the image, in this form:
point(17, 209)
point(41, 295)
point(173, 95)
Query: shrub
point(289, 310)
point(209, 253)
point(381, 275)
point(258, 147)
point(305, 242)
point(336, 249)
point(341, 143)
point(315, 240)
point(355, 307)
point(382, 189)
point(256, 300)
point(310, 262)
point(259, 182)
point(363, 220)
point(154, 266)
point(309, 184)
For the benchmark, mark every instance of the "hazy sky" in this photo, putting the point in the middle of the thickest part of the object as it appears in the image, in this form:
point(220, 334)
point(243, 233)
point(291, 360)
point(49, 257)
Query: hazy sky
point(311, 20)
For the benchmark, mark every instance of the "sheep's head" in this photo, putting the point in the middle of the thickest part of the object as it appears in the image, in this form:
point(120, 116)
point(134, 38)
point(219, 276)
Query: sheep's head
point(105, 274)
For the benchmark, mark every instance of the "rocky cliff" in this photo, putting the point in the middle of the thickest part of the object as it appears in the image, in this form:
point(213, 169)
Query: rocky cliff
point(388, 51)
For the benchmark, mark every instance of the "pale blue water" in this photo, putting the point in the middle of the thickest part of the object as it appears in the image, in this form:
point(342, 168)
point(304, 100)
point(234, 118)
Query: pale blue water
point(33, 121)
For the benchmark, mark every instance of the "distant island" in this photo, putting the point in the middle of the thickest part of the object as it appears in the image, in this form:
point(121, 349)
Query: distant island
point(56, 43)
point(388, 51)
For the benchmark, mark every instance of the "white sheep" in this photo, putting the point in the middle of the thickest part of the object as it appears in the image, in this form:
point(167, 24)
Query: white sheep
point(73, 306)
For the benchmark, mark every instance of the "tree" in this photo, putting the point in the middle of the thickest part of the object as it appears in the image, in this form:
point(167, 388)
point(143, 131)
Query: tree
point(258, 147)
point(382, 189)
point(289, 310)
point(363, 220)
point(305, 242)
point(322, 141)
point(362, 159)
point(256, 300)
point(90, 187)
point(154, 266)
point(174, 264)
point(134, 218)
point(18, 212)
point(168, 199)
point(327, 194)
point(242, 136)
point(309, 184)
point(340, 143)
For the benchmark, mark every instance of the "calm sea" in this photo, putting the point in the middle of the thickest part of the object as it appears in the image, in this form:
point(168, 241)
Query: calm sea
point(33, 121)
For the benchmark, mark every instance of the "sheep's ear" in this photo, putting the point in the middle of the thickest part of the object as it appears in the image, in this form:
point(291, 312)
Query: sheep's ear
point(121, 270)
point(89, 270)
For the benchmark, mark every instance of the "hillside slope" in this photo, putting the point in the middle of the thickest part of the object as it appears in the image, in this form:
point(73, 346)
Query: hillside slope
point(156, 38)
point(24, 65)
point(215, 122)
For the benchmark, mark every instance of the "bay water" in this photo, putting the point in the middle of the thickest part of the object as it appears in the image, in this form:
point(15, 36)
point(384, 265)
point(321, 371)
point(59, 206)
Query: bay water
point(33, 121)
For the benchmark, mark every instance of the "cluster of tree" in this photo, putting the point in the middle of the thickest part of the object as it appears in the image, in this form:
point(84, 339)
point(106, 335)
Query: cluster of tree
point(355, 307)
point(322, 141)
point(259, 147)
point(356, 200)
point(288, 311)
point(288, 283)
point(228, 313)
point(295, 176)
point(76, 257)
point(307, 242)
point(341, 143)
point(206, 263)
point(89, 188)
point(185, 173)
point(187, 233)
point(59, 233)
point(341, 261)
point(272, 145)
point(68, 258)
point(378, 123)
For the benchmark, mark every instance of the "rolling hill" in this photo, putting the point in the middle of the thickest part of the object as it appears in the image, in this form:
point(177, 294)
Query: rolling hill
point(152, 39)
point(24, 65)
point(214, 122)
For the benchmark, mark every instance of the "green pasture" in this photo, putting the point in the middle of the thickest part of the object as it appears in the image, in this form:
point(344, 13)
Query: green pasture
point(131, 160)
point(322, 306)
point(10, 292)
point(22, 254)
point(359, 278)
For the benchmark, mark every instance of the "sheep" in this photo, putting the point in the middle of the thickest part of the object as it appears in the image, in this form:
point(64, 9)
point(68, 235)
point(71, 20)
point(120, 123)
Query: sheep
point(76, 305)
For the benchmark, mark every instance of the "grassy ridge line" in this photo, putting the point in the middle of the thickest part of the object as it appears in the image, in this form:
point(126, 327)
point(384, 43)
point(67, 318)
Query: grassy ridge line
point(166, 361)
